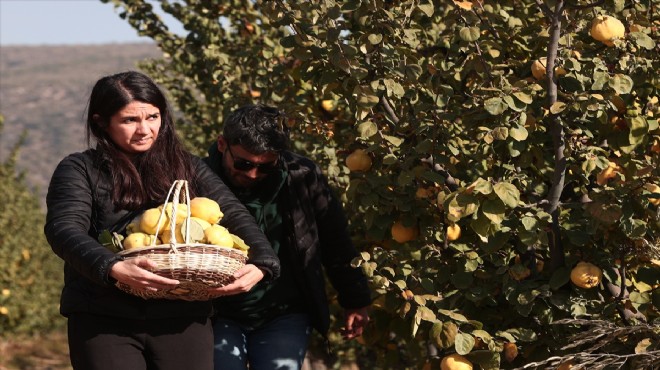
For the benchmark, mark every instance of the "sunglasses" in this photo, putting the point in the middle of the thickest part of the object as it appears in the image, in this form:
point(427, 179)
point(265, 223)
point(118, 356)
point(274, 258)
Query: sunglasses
point(245, 165)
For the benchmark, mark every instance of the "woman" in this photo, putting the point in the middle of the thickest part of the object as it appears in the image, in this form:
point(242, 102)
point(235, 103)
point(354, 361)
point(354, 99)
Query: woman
point(136, 159)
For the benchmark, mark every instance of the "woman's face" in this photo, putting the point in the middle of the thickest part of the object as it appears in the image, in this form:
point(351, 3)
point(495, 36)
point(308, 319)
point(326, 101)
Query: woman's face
point(135, 127)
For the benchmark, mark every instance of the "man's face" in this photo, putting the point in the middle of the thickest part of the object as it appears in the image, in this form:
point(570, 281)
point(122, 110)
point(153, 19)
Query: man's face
point(245, 169)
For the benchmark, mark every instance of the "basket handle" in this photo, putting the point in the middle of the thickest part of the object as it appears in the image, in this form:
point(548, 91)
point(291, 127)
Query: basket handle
point(176, 187)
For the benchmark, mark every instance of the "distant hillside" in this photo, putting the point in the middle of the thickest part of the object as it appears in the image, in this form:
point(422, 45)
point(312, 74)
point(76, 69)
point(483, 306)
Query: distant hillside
point(44, 89)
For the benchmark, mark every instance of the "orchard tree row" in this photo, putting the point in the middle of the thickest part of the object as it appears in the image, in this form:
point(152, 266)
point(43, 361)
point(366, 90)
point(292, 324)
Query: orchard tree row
point(30, 274)
point(498, 160)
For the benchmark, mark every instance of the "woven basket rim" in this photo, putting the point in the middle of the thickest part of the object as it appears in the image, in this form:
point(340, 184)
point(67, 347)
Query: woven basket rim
point(176, 246)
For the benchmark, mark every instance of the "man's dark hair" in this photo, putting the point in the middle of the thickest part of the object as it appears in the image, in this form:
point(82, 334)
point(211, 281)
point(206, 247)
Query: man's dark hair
point(257, 128)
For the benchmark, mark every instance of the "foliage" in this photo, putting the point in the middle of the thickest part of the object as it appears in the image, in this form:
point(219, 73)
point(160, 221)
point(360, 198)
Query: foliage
point(441, 96)
point(30, 274)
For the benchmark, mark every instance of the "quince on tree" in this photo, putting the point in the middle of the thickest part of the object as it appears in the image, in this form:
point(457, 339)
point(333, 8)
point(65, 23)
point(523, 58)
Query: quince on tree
point(606, 29)
point(402, 233)
point(455, 362)
point(358, 161)
point(586, 275)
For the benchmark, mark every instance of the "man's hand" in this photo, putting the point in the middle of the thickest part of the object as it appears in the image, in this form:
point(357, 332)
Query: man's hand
point(135, 273)
point(356, 321)
point(246, 278)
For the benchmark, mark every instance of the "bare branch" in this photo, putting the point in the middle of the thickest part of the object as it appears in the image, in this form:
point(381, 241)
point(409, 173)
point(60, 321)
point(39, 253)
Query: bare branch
point(450, 181)
point(388, 109)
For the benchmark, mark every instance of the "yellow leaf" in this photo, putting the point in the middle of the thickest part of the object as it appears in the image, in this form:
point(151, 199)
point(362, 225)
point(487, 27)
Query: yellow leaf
point(467, 5)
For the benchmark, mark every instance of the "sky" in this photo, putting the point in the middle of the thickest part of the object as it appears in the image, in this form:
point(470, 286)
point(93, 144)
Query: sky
point(66, 22)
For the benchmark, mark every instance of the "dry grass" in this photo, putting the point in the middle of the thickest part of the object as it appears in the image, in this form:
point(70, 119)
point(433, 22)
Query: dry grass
point(40, 352)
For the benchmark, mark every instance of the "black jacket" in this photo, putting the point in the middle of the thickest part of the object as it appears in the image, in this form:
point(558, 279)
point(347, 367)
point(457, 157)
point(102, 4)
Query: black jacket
point(79, 208)
point(320, 239)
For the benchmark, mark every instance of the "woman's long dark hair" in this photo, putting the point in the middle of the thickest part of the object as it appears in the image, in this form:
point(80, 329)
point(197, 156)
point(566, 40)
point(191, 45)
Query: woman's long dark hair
point(142, 180)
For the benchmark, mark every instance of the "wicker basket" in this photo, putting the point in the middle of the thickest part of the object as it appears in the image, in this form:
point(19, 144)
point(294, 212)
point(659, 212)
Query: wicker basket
point(197, 266)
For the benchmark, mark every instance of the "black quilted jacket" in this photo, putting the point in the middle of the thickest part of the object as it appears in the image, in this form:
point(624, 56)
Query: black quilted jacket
point(321, 243)
point(79, 208)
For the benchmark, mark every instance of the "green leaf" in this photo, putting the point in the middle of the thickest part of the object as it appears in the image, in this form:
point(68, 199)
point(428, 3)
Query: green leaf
point(444, 334)
point(481, 226)
point(453, 315)
point(518, 133)
point(514, 104)
point(105, 238)
point(428, 9)
point(375, 38)
point(288, 41)
point(508, 193)
point(633, 228)
point(530, 223)
point(560, 277)
point(557, 107)
point(412, 72)
point(462, 280)
point(523, 97)
point(642, 40)
point(481, 186)
point(396, 141)
point(600, 79)
point(500, 133)
point(426, 314)
point(494, 210)
point(196, 233)
point(483, 335)
point(461, 206)
point(469, 34)
point(390, 159)
point(520, 334)
point(495, 106)
point(366, 97)
point(394, 88)
point(622, 84)
point(410, 37)
point(606, 213)
point(367, 129)
point(506, 335)
point(112, 241)
point(639, 128)
point(350, 5)
point(464, 343)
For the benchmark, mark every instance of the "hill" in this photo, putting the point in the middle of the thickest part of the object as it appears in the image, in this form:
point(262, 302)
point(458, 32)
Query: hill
point(44, 90)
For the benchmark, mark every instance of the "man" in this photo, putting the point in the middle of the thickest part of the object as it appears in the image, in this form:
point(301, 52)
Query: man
point(269, 327)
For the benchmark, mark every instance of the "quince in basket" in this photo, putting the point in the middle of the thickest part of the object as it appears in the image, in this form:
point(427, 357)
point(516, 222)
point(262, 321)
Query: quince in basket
point(206, 209)
point(218, 235)
point(137, 240)
point(203, 226)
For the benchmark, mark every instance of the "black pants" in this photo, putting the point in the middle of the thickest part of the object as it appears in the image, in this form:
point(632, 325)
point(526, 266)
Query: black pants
point(110, 343)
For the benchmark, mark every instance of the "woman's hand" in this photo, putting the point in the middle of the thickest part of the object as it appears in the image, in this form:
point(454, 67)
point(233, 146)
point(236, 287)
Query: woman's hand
point(246, 277)
point(135, 273)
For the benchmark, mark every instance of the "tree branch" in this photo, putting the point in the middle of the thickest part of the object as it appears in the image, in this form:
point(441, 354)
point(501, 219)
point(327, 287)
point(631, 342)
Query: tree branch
point(558, 139)
point(388, 109)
